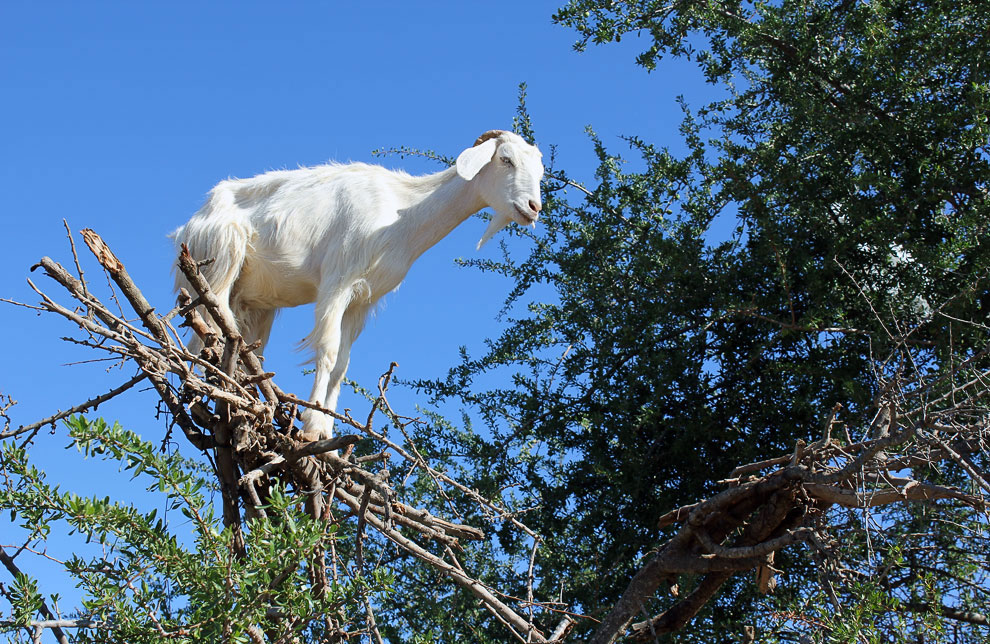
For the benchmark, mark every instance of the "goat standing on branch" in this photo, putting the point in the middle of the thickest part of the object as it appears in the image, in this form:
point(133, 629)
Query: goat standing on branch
point(343, 236)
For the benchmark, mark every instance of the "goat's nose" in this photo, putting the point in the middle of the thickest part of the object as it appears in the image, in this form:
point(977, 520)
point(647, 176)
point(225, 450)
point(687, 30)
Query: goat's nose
point(535, 206)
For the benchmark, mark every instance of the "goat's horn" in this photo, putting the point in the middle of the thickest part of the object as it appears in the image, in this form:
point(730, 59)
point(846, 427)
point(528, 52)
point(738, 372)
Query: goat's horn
point(490, 134)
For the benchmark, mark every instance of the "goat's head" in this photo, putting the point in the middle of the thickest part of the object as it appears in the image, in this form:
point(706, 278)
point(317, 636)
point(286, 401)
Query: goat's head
point(508, 171)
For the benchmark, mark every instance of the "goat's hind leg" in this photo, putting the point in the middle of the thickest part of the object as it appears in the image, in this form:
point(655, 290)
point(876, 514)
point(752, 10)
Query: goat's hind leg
point(256, 326)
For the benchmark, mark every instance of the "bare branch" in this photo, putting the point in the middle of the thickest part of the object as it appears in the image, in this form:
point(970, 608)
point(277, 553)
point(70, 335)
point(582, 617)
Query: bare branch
point(92, 403)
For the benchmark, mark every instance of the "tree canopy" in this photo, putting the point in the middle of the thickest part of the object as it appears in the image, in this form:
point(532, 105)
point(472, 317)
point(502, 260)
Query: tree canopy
point(825, 234)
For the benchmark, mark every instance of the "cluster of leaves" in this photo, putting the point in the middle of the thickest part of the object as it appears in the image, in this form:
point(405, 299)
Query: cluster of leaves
point(153, 579)
point(709, 309)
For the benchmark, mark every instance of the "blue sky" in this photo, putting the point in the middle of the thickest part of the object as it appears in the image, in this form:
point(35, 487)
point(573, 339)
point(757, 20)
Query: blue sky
point(121, 116)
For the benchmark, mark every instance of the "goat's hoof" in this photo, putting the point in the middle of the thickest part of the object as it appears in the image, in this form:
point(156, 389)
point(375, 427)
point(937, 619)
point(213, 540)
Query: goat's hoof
point(317, 426)
point(311, 435)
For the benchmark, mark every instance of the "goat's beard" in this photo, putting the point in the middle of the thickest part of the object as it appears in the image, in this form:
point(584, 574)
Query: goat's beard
point(498, 222)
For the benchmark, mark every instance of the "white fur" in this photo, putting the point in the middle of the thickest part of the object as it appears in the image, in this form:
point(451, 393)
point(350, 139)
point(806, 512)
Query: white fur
point(343, 236)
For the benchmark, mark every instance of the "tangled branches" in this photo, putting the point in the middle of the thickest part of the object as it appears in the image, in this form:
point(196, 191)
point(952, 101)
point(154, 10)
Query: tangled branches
point(760, 513)
point(229, 407)
point(920, 430)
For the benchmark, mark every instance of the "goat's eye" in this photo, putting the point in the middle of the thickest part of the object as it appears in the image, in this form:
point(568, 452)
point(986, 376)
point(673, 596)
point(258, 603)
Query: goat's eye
point(507, 161)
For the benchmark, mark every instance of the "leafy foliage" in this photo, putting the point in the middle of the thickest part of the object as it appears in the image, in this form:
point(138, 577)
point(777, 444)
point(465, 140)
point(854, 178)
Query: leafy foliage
point(151, 579)
point(707, 309)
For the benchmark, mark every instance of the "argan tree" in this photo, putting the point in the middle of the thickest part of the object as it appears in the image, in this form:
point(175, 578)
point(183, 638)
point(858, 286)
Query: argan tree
point(740, 393)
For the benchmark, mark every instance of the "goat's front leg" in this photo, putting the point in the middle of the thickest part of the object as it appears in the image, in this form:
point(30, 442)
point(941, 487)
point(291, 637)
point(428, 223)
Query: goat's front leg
point(331, 366)
point(325, 340)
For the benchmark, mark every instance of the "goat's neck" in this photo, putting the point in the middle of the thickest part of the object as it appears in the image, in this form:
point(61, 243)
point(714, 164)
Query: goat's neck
point(438, 203)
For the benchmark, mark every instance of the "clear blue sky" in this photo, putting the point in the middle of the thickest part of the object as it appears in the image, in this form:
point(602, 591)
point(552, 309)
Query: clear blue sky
point(121, 116)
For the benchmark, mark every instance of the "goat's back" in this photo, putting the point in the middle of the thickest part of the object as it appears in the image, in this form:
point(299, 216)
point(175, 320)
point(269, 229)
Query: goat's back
point(276, 236)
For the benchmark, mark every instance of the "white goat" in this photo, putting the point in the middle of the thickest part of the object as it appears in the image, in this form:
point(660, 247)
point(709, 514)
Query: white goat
point(343, 236)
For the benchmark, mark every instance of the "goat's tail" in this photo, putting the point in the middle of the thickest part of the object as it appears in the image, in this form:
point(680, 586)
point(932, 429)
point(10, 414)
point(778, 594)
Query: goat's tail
point(220, 235)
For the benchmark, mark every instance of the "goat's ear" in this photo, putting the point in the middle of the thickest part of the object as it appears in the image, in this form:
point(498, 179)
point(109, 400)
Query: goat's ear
point(471, 161)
